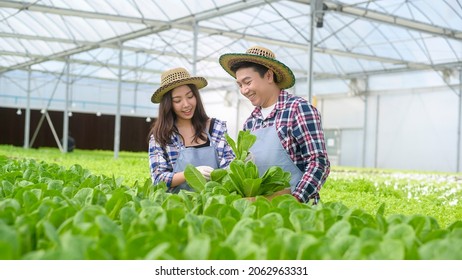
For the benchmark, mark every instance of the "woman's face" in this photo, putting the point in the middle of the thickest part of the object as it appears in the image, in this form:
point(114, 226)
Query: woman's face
point(184, 102)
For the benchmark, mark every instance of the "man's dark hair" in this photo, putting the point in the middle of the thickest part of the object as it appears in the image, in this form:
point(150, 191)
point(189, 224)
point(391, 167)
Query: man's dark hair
point(260, 69)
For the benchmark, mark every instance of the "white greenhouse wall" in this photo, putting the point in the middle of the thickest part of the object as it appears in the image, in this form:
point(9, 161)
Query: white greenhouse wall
point(346, 115)
point(418, 131)
point(409, 131)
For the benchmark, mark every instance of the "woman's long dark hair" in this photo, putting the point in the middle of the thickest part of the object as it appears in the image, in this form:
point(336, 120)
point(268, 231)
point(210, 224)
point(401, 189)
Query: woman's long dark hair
point(164, 126)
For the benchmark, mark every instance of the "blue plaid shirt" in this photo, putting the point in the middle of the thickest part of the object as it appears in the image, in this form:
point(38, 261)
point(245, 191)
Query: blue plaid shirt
point(298, 125)
point(162, 160)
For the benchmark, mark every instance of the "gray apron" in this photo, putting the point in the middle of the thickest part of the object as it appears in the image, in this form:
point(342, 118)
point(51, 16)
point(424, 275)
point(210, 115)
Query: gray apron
point(197, 157)
point(268, 151)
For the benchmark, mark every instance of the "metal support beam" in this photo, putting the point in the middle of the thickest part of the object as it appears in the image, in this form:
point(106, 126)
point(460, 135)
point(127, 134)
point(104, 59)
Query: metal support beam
point(365, 125)
point(66, 110)
point(381, 17)
point(459, 124)
point(311, 51)
point(153, 26)
point(53, 131)
point(117, 117)
point(27, 120)
point(317, 15)
point(45, 115)
point(376, 148)
point(194, 54)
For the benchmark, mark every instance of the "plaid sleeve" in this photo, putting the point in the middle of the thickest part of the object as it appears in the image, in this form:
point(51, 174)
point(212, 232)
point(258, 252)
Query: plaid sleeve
point(309, 137)
point(251, 123)
point(160, 163)
point(224, 151)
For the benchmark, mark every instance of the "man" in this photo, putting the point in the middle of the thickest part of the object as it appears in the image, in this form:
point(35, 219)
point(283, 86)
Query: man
point(288, 128)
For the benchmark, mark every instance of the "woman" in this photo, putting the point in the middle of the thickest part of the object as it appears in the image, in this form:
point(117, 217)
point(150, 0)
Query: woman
point(183, 133)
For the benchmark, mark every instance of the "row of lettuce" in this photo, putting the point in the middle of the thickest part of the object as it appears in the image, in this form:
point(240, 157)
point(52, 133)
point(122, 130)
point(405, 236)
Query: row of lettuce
point(48, 211)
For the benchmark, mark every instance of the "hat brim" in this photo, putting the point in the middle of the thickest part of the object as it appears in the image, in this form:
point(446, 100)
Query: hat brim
point(284, 75)
point(199, 82)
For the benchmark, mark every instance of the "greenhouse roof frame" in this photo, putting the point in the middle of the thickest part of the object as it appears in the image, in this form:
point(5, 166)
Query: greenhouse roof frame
point(134, 41)
point(375, 13)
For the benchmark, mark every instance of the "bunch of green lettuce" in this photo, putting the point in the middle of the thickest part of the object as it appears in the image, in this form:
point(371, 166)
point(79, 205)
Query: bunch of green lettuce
point(242, 177)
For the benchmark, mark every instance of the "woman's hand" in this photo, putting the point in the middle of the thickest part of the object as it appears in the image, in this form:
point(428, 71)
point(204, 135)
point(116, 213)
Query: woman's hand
point(205, 171)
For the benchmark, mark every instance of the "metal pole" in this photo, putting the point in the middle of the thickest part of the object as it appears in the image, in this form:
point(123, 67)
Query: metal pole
point(366, 111)
point(66, 109)
point(27, 121)
point(135, 92)
point(53, 131)
point(376, 131)
point(366, 99)
point(194, 63)
point(310, 62)
point(119, 97)
point(460, 120)
point(238, 113)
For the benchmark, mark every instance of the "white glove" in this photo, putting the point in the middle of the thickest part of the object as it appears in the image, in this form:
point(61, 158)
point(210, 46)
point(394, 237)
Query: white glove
point(205, 171)
point(250, 157)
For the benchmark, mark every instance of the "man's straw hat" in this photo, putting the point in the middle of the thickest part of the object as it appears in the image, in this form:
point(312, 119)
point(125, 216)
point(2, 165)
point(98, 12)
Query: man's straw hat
point(173, 78)
point(260, 55)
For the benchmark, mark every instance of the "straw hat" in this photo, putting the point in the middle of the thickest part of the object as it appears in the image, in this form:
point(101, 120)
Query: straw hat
point(263, 56)
point(173, 78)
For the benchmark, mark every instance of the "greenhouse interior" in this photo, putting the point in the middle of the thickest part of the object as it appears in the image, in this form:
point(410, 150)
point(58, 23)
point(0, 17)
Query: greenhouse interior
point(384, 75)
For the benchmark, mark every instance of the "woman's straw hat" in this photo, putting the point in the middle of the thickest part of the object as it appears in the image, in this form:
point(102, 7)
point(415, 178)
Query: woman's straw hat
point(173, 78)
point(260, 55)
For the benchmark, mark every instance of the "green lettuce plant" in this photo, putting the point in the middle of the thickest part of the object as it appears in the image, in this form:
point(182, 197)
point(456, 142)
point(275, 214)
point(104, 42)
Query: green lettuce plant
point(242, 177)
point(245, 141)
point(48, 211)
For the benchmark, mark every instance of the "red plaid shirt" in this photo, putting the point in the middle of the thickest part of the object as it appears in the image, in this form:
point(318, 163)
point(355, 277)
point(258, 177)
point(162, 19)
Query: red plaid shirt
point(299, 128)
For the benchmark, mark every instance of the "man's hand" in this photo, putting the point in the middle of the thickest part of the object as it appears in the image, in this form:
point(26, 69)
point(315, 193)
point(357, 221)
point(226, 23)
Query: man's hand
point(278, 193)
point(271, 196)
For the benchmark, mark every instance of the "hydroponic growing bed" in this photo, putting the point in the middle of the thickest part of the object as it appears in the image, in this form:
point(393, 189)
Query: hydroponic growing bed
point(87, 205)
